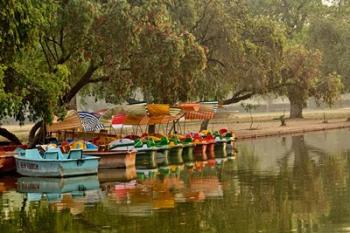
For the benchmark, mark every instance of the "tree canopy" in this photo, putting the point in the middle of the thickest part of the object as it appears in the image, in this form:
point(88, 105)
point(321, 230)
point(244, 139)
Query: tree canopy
point(302, 78)
point(26, 88)
point(171, 51)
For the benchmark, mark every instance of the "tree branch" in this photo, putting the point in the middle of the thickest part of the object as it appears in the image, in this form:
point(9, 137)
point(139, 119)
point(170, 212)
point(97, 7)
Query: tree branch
point(216, 61)
point(84, 80)
point(48, 48)
point(238, 97)
point(202, 16)
point(10, 136)
point(45, 54)
point(100, 79)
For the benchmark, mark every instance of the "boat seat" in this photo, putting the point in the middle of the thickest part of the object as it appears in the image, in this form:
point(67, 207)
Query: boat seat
point(75, 154)
point(33, 154)
point(51, 155)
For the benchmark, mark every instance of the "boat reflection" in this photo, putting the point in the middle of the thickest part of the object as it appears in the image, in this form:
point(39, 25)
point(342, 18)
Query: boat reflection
point(72, 193)
point(116, 175)
point(7, 183)
point(156, 190)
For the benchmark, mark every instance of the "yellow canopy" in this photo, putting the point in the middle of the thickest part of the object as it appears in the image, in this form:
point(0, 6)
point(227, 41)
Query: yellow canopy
point(70, 122)
point(158, 109)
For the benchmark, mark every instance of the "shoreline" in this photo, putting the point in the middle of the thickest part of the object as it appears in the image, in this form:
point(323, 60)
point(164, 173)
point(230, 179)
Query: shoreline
point(265, 125)
point(300, 126)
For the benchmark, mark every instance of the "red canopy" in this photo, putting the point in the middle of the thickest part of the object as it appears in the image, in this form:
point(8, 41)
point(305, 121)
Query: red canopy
point(118, 119)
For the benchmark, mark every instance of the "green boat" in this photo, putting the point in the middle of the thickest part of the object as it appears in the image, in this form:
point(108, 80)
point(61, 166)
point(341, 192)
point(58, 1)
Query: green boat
point(188, 151)
point(162, 156)
point(147, 174)
point(220, 147)
point(175, 152)
point(162, 151)
point(146, 158)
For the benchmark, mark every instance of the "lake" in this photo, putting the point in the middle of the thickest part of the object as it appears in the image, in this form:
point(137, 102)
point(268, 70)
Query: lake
point(280, 184)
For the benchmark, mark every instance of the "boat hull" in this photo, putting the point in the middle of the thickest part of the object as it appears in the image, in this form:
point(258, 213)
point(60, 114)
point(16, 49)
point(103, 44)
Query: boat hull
point(7, 163)
point(146, 159)
point(113, 175)
point(187, 153)
point(211, 150)
point(220, 149)
point(56, 168)
point(175, 155)
point(200, 152)
point(162, 157)
point(114, 159)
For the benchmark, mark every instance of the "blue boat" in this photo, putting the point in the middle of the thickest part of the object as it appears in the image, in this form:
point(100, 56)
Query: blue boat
point(67, 192)
point(53, 163)
point(57, 185)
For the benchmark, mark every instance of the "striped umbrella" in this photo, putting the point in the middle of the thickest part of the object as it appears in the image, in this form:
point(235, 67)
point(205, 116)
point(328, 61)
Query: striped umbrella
point(90, 121)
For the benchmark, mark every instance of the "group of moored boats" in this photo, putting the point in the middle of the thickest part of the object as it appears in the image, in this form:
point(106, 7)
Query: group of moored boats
point(81, 157)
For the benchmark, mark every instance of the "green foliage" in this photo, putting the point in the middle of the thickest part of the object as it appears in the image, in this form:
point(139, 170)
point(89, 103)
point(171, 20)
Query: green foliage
point(32, 91)
point(169, 50)
point(330, 34)
point(19, 20)
point(244, 52)
point(26, 88)
point(168, 62)
point(328, 89)
point(302, 78)
point(301, 72)
point(294, 14)
point(309, 24)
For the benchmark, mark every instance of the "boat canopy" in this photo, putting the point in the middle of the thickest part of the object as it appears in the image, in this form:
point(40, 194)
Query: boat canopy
point(150, 114)
point(199, 111)
point(80, 121)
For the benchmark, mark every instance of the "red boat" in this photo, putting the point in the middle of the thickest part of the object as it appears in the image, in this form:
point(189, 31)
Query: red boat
point(7, 159)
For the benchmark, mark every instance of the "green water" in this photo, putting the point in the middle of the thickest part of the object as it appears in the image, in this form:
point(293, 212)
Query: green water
point(281, 184)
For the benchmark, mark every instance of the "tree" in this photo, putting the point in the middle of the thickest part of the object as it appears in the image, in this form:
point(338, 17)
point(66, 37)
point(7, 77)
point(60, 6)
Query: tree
point(129, 44)
point(297, 16)
point(168, 62)
point(24, 85)
point(244, 51)
point(330, 34)
point(94, 41)
point(249, 108)
point(302, 78)
point(294, 14)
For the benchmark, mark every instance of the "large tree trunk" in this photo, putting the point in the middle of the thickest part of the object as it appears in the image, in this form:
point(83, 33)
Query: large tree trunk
point(37, 134)
point(296, 108)
point(73, 104)
point(10, 136)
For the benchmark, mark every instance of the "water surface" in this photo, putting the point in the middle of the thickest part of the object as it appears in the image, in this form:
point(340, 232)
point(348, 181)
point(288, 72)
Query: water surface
point(281, 184)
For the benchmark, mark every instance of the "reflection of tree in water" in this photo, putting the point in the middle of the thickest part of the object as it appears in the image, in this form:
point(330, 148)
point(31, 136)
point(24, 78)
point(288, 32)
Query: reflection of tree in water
point(306, 192)
point(317, 185)
point(299, 195)
point(337, 186)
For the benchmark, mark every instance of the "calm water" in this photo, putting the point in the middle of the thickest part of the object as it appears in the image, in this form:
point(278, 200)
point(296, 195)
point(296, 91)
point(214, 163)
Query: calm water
point(281, 184)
